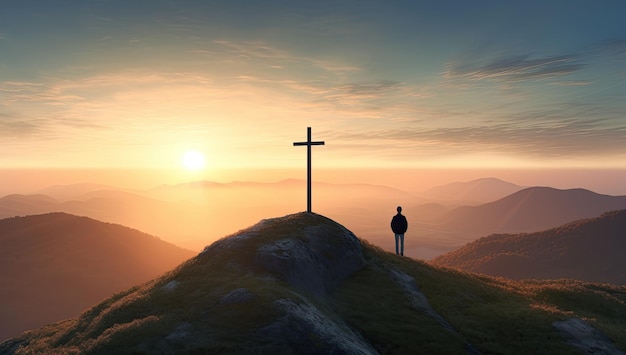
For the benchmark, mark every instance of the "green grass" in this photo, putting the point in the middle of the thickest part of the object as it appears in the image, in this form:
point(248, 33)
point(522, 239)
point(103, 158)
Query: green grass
point(603, 305)
point(493, 315)
point(372, 303)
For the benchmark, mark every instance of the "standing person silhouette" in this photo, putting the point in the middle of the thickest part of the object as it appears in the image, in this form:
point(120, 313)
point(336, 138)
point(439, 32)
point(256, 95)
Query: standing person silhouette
point(399, 225)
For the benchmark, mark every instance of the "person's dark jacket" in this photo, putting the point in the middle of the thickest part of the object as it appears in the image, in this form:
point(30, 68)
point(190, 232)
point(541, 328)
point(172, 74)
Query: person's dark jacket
point(399, 225)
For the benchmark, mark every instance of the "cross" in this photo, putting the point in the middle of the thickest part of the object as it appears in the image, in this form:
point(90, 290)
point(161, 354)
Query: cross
point(308, 144)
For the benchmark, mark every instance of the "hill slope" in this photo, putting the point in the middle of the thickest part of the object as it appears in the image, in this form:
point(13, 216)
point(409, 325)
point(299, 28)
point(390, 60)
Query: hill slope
point(590, 249)
point(177, 221)
point(305, 284)
point(54, 266)
point(531, 209)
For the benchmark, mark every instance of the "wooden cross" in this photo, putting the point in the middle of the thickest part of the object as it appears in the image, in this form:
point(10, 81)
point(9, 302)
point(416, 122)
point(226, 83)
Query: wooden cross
point(308, 144)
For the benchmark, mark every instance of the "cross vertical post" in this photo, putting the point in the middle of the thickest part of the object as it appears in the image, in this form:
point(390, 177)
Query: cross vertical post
point(308, 144)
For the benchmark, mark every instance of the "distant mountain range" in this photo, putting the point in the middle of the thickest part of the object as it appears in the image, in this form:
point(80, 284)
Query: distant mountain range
point(194, 214)
point(472, 192)
point(530, 209)
point(304, 284)
point(16, 205)
point(73, 191)
point(177, 222)
point(588, 249)
point(53, 266)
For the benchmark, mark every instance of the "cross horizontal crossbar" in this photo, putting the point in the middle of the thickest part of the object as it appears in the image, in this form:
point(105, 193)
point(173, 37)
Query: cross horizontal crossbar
point(308, 143)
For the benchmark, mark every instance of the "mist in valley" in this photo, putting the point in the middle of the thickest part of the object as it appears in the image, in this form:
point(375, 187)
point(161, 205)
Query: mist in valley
point(193, 215)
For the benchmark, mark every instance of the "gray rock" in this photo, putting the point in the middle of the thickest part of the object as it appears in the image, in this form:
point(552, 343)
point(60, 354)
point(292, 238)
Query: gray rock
point(316, 262)
point(420, 302)
point(170, 286)
point(238, 295)
point(417, 298)
point(307, 330)
point(585, 337)
point(180, 332)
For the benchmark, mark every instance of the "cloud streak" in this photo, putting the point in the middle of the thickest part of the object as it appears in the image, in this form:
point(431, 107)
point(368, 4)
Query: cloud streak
point(264, 54)
point(529, 144)
point(525, 136)
point(388, 80)
point(615, 47)
point(12, 126)
point(518, 68)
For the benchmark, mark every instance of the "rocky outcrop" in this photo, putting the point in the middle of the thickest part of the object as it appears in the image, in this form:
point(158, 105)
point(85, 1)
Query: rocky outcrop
point(317, 262)
point(585, 337)
point(310, 252)
point(304, 327)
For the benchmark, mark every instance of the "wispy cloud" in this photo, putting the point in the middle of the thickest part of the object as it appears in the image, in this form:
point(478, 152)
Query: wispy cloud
point(368, 99)
point(614, 47)
point(12, 91)
point(256, 50)
point(315, 83)
point(568, 132)
point(40, 110)
point(572, 83)
point(368, 89)
point(516, 68)
point(15, 126)
point(262, 54)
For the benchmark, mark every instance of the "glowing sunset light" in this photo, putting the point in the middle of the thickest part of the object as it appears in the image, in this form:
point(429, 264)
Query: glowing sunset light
point(193, 160)
point(393, 85)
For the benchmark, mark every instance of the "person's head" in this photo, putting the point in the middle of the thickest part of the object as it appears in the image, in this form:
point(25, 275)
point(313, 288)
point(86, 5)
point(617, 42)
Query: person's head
point(399, 209)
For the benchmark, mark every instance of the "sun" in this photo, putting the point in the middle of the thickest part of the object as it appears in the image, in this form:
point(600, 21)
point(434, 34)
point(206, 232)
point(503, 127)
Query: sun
point(193, 160)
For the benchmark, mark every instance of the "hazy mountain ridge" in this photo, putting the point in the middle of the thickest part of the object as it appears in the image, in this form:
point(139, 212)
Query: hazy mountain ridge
point(250, 292)
point(177, 222)
point(73, 191)
point(531, 209)
point(53, 266)
point(472, 192)
point(194, 214)
point(16, 204)
point(588, 249)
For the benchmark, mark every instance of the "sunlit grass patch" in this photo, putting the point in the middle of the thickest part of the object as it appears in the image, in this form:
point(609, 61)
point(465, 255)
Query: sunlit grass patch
point(602, 305)
point(490, 313)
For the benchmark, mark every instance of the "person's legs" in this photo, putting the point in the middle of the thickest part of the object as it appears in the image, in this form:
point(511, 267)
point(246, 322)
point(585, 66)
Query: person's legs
point(397, 236)
point(402, 244)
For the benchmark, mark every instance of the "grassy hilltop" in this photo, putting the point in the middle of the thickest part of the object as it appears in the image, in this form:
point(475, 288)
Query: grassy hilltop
point(303, 283)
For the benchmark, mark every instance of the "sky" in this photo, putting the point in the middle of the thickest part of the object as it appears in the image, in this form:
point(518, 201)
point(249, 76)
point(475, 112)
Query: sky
point(386, 84)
